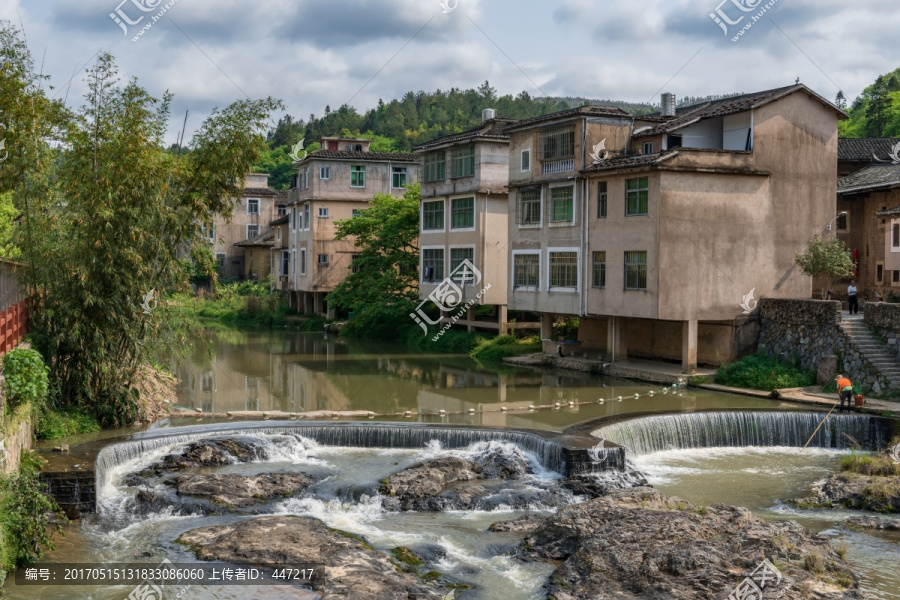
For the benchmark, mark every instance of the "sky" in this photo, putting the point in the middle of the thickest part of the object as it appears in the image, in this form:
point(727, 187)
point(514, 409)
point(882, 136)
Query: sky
point(311, 54)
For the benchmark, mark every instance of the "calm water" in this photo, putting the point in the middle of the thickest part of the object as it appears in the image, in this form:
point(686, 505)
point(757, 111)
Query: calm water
point(294, 372)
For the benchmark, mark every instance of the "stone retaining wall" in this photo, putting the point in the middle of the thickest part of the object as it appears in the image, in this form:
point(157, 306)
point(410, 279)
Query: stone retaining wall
point(809, 332)
point(15, 437)
point(884, 318)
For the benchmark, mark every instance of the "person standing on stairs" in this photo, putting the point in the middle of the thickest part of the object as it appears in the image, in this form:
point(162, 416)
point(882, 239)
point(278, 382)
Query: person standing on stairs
point(852, 301)
point(845, 389)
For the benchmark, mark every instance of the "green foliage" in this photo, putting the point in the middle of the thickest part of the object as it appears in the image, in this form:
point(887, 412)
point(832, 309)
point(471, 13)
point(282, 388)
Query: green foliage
point(503, 346)
point(244, 304)
point(312, 323)
point(62, 423)
point(453, 341)
point(763, 372)
point(876, 112)
point(278, 163)
point(8, 216)
point(828, 259)
point(566, 328)
point(380, 322)
point(387, 236)
point(26, 378)
point(878, 465)
point(25, 514)
point(203, 269)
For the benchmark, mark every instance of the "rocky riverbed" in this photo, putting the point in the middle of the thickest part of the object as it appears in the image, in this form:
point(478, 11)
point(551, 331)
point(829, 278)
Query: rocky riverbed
point(855, 491)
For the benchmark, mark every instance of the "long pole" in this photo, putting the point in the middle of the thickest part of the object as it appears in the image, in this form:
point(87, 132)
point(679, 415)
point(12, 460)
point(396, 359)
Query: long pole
point(817, 428)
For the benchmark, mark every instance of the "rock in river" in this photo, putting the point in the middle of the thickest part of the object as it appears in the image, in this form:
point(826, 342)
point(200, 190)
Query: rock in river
point(345, 568)
point(242, 490)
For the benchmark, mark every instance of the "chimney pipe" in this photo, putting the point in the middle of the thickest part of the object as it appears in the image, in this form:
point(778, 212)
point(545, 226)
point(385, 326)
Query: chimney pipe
point(668, 104)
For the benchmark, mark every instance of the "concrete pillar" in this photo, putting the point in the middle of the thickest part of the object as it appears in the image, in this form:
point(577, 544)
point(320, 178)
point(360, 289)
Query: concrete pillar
point(470, 316)
point(689, 346)
point(317, 302)
point(502, 318)
point(546, 326)
point(306, 306)
point(617, 338)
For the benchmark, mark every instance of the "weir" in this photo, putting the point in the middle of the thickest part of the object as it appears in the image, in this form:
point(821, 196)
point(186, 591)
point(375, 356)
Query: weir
point(646, 435)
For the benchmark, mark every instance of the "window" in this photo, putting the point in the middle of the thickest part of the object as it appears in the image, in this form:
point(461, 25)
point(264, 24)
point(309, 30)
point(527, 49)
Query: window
point(636, 270)
point(306, 178)
point(648, 147)
point(324, 173)
point(358, 176)
point(558, 143)
point(252, 206)
point(457, 256)
point(562, 204)
point(529, 210)
point(463, 164)
point(323, 213)
point(879, 272)
point(208, 233)
point(306, 216)
point(292, 220)
point(322, 260)
point(285, 263)
point(462, 213)
point(436, 166)
point(398, 177)
point(526, 270)
point(432, 264)
point(895, 276)
point(526, 160)
point(220, 259)
point(599, 271)
point(602, 198)
point(354, 263)
point(251, 383)
point(357, 212)
point(281, 210)
point(252, 230)
point(564, 269)
point(636, 196)
point(841, 223)
point(895, 231)
point(303, 261)
point(207, 382)
point(433, 215)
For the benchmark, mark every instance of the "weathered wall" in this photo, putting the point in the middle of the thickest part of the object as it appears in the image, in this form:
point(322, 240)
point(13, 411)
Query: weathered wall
point(884, 318)
point(809, 330)
point(15, 436)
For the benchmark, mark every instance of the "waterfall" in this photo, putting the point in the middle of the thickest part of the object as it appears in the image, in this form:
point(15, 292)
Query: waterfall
point(363, 435)
point(646, 435)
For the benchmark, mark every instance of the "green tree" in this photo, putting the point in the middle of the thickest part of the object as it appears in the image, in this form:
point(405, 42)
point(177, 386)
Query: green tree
point(826, 259)
point(204, 268)
point(385, 273)
point(129, 205)
point(8, 218)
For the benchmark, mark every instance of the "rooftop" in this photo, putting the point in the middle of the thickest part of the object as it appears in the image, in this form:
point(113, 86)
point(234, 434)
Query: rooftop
point(281, 220)
point(362, 156)
point(626, 162)
point(877, 176)
point(863, 149)
point(492, 129)
point(252, 191)
point(265, 239)
point(579, 111)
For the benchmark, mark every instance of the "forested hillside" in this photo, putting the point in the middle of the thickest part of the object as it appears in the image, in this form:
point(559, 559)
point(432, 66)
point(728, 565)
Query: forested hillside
point(876, 112)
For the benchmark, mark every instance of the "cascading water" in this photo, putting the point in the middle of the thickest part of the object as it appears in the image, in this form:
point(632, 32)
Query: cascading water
point(750, 428)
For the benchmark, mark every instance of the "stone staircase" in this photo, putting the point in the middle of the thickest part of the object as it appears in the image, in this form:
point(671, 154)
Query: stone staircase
point(877, 353)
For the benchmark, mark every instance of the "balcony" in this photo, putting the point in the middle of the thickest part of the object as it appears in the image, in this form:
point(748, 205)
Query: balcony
point(558, 166)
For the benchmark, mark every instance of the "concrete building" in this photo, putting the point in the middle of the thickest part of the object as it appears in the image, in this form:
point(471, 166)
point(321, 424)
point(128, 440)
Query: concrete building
point(250, 217)
point(331, 184)
point(464, 215)
point(678, 221)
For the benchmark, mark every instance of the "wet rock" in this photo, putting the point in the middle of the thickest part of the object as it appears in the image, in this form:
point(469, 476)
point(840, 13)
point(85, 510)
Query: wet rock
point(500, 463)
point(526, 523)
point(345, 567)
point(428, 479)
point(852, 490)
point(881, 523)
point(63, 448)
point(639, 543)
point(209, 453)
point(594, 485)
point(242, 490)
point(73, 514)
point(146, 496)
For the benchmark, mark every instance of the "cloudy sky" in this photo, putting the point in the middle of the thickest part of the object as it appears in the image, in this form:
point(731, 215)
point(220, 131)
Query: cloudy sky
point(312, 53)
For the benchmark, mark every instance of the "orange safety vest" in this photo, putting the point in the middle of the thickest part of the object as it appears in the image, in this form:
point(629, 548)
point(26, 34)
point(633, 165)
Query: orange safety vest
point(843, 382)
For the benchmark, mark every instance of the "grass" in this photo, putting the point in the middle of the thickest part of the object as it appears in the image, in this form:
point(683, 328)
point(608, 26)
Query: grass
point(504, 346)
point(877, 465)
point(239, 304)
point(58, 423)
point(763, 372)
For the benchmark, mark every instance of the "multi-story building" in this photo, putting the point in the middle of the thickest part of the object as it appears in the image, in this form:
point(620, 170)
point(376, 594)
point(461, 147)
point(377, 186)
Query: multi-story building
point(463, 214)
point(331, 184)
point(249, 218)
point(661, 232)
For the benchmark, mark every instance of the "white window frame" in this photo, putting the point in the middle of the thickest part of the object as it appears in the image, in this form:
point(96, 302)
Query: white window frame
point(522, 159)
point(256, 201)
point(422, 264)
point(303, 261)
point(319, 262)
point(422, 216)
point(221, 264)
point(512, 271)
point(448, 214)
point(306, 179)
point(282, 272)
point(325, 173)
point(396, 171)
point(247, 230)
point(578, 273)
point(364, 173)
point(307, 221)
point(448, 254)
point(549, 205)
point(540, 222)
point(292, 219)
point(324, 213)
point(645, 149)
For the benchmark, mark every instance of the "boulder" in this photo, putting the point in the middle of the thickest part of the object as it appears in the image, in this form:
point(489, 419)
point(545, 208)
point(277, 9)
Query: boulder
point(240, 491)
point(853, 490)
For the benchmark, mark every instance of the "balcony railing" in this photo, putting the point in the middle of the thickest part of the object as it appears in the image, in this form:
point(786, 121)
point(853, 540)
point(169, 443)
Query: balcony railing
point(558, 166)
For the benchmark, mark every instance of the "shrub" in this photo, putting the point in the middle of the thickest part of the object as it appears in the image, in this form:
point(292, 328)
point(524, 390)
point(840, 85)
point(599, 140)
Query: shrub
point(25, 511)
point(503, 346)
point(763, 372)
point(59, 423)
point(26, 377)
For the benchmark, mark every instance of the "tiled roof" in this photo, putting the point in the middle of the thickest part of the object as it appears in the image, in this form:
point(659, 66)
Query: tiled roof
point(280, 220)
point(589, 111)
point(369, 156)
point(281, 197)
point(266, 238)
point(891, 212)
point(627, 162)
point(688, 115)
point(250, 191)
point(875, 176)
point(491, 130)
point(862, 149)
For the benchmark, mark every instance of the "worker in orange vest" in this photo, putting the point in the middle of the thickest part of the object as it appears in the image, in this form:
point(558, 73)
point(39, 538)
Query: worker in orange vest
point(845, 389)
